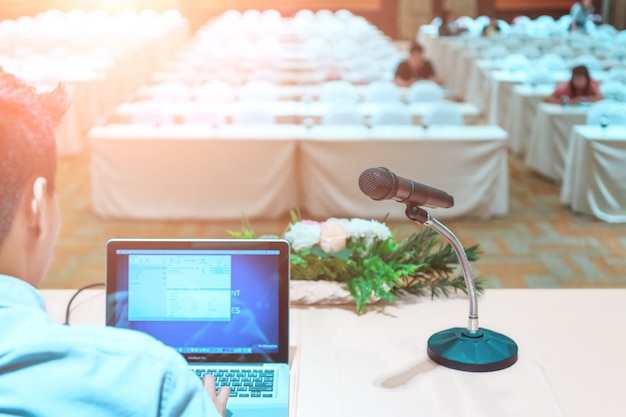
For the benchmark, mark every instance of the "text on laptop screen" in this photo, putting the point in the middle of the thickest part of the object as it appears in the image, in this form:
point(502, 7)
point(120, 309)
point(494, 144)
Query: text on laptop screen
point(201, 301)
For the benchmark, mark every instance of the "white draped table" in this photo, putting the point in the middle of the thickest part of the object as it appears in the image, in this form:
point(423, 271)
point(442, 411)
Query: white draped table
point(549, 139)
point(571, 355)
point(523, 112)
point(194, 171)
point(594, 182)
point(469, 162)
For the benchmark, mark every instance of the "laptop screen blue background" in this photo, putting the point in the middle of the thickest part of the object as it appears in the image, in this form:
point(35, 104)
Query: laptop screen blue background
point(245, 323)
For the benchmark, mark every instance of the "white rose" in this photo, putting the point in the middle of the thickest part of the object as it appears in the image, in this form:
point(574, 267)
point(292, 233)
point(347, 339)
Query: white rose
point(303, 235)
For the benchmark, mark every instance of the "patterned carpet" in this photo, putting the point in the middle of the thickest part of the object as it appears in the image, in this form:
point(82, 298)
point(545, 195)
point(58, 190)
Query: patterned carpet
point(540, 244)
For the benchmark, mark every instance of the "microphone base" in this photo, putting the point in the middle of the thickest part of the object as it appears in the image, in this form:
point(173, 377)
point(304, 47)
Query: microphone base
point(483, 351)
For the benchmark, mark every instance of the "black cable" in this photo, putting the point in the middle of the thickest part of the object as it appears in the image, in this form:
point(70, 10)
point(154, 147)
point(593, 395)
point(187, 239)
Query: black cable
point(78, 291)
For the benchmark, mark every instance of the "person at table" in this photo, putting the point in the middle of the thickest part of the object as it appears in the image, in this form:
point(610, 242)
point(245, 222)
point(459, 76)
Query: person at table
point(579, 89)
point(51, 370)
point(450, 25)
point(415, 68)
point(581, 13)
point(491, 28)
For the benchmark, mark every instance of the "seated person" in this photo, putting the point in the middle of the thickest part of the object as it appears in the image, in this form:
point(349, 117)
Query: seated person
point(450, 25)
point(47, 369)
point(582, 12)
point(491, 28)
point(580, 88)
point(415, 68)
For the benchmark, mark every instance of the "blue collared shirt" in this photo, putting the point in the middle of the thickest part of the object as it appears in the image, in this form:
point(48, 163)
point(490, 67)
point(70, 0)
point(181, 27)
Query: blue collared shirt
point(51, 370)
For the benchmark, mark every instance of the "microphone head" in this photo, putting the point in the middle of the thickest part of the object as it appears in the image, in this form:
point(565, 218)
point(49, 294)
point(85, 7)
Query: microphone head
point(378, 183)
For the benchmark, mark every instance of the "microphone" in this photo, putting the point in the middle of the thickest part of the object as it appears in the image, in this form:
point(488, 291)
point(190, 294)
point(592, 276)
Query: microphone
point(472, 349)
point(382, 184)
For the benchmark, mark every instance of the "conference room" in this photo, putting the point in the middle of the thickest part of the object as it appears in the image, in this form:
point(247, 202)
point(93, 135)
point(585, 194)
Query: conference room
point(191, 122)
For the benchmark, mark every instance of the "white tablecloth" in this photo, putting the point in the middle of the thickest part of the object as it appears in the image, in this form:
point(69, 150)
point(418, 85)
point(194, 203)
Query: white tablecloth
point(549, 139)
point(571, 355)
point(469, 162)
point(185, 171)
point(594, 182)
point(522, 114)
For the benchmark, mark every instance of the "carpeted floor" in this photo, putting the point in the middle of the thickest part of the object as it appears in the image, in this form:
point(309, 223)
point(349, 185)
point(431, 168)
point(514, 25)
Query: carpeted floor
point(540, 244)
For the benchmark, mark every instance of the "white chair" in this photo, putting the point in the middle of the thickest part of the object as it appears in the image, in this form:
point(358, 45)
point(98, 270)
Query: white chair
point(151, 112)
point(339, 91)
point(495, 52)
point(564, 51)
point(343, 115)
point(424, 91)
point(614, 90)
point(516, 63)
point(174, 91)
point(553, 62)
point(215, 91)
point(258, 90)
point(607, 112)
point(443, 113)
point(591, 62)
point(381, 92)
point(617, 74)
point(205, 113)
point(539, 76)
point(396, 114)
point(253, 114)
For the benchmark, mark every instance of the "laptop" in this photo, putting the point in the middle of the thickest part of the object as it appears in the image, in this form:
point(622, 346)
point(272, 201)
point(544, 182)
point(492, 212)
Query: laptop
point(223, 304)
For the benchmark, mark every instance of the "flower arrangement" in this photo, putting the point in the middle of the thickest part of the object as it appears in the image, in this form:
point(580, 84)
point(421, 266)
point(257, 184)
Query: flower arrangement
point(364, 256)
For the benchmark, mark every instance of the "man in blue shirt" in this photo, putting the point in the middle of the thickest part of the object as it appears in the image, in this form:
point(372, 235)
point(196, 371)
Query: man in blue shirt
point(53, 370)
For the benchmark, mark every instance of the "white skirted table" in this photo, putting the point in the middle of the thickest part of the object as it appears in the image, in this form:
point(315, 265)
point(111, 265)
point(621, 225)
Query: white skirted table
point(522, 114)
point(571, 355)
point(469, 162)
point(547, 147)
point(594, 182)
point(194, 171)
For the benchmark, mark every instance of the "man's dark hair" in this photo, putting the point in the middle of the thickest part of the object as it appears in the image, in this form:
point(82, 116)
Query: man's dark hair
point(27, 141)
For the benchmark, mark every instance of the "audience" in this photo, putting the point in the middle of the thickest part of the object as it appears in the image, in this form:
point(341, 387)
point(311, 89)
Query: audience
point(415, 68)
point(450, 25)
point(582, 12)
point(580, 88)
point(491, 28)
point(51, 370)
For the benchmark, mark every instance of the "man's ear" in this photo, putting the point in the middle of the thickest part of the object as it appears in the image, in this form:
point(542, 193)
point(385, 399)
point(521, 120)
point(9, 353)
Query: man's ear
point(37, 204)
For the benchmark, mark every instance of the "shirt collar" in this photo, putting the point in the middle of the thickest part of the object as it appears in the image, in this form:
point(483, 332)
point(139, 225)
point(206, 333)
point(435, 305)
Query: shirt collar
point(15, 292)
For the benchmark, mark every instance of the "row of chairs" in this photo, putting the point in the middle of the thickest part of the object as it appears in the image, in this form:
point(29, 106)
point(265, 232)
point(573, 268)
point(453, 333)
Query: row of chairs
point(339, 91)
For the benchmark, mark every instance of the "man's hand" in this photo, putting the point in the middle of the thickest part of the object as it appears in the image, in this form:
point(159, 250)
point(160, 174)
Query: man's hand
point(219, 398)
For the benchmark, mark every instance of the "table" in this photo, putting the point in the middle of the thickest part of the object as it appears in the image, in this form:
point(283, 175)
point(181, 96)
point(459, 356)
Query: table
point(594, 181)
point(522, 114)
point(549, 138)
point(571, 355)
point(469, 162)
point(193, 171)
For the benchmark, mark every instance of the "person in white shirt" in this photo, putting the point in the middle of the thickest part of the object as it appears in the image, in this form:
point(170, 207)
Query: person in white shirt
point(48, 369)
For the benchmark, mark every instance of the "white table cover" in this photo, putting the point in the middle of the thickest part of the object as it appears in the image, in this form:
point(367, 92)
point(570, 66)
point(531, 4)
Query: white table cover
point(549, 139)
point(571, 355)
point(594, 182)
point(468, 162)
point(193, 171)
point(522, 114)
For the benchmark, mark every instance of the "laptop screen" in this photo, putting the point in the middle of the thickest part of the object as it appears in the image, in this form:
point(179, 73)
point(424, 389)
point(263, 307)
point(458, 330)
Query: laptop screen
point(211, 300)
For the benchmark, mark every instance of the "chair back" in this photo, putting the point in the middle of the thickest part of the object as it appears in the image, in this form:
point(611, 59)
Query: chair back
point(443, 113)
point(607, 112)
point(396, 114)
point(424, 91)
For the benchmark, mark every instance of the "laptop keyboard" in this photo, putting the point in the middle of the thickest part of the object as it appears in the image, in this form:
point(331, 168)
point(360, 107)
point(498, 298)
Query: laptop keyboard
point(254, 383)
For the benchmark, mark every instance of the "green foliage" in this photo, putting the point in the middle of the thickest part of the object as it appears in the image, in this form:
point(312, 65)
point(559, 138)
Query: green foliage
point(422, 264)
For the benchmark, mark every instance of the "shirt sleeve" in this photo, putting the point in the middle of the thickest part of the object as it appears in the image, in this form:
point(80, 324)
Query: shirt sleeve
point(561, 90)
point(403, 71)
point(182, 393)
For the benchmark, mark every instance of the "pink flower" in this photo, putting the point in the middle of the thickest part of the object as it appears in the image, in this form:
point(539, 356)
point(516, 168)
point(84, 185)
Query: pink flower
point(333, 237)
